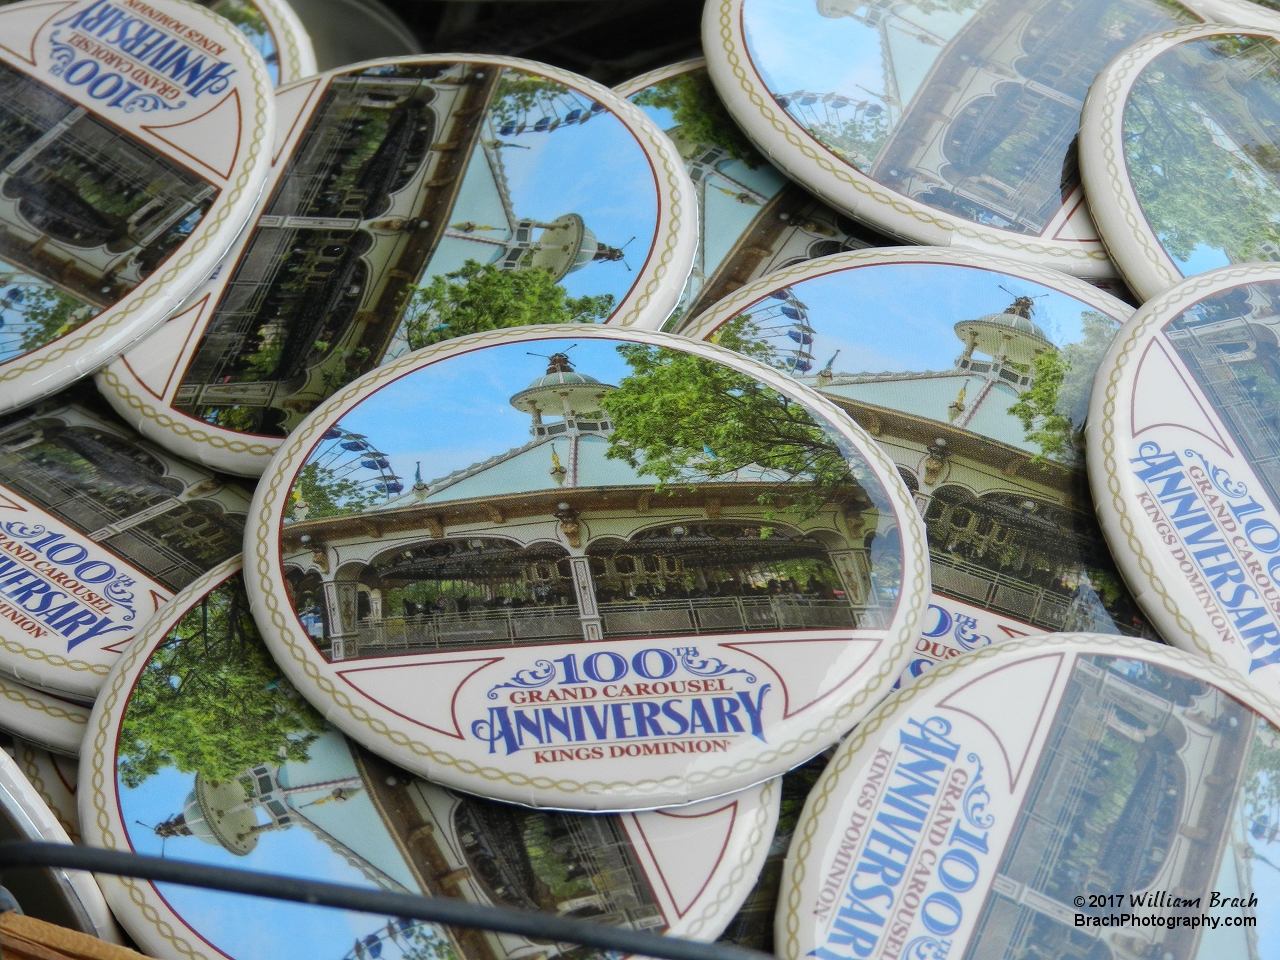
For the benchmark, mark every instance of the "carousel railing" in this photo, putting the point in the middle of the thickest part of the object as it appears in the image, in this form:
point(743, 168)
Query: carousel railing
point(996, 591)
point(432, 631)
point(727, 615)
point(517, 626)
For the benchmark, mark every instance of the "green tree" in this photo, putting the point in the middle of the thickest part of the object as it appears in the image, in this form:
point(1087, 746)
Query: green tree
point(685, 420)
point(1037, 408)
point(477, 298)
point(46, 313)
point(1053, 410)
point(247, 19)
point(701, 114)
point(211, 700)
point(330, 495)
point(1082, 359)
point(1194, 189)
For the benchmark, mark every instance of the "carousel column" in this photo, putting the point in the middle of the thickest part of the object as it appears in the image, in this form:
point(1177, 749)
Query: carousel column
point(584, 587)
point(341, 605)
point(852, 563)
point(854, 570)
point(585, 590)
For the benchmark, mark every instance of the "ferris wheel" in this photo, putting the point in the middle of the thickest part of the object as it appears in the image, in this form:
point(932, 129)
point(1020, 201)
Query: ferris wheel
point(351, 460)
point(831, 112)
point(783, 322)
point(827, 109)
point(32, 312)
point(548, 109)
point(402, 939)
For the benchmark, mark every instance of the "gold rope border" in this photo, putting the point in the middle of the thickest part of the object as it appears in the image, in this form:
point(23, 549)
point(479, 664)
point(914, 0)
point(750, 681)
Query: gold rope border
point(131, 307)
point(32, 773)
point(109, 381)
point(673, 233)
point(761, 830)
point(280, 635)
point(854, 178)
point(280, 26)
point(15, 695)
point(1154, 313)
point(1076, 643)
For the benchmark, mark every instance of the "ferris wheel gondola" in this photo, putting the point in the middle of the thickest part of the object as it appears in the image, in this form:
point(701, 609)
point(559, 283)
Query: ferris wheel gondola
point(830, 110)
point(351, 462)
point(547, 110)
point(782, 320)
point(833, 116)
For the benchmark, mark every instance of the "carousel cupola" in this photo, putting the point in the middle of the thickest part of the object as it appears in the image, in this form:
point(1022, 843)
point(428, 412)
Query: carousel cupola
point(564, 245)
point(217, 813)
point(564, 402)
point(1012, 339)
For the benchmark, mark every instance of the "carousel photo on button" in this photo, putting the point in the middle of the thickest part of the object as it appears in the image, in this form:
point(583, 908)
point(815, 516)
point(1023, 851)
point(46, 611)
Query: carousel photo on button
point(527, 567)
point(609, 547)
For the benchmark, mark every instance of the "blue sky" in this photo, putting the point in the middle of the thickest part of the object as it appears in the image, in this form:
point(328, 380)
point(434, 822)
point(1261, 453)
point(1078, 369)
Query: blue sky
point(796, 48)
point(241, 926)
point(900, 317)
point(1203, 259)
point(456, 412)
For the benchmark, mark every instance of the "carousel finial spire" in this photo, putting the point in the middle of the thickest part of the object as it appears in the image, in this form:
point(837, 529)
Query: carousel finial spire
point(419, 488)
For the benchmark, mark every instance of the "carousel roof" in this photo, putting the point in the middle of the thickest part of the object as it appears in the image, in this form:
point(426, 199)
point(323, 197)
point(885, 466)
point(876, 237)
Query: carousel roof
point(1013, 321)
point(528, 469)
point(930, 393)
point(560, 378)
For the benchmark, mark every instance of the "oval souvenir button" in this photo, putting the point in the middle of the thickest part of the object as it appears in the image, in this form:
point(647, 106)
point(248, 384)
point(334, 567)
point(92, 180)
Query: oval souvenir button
point(1182, 443)
point(45, 720)
point(263, 782)
point(69, 898)
point(1176, 139)
point(686, 571)
point(978, 392)
point(446, 210)
point(136, 144)
point(98, 529)
point(952, 125)
point(754, 220)
point(1073, 795)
